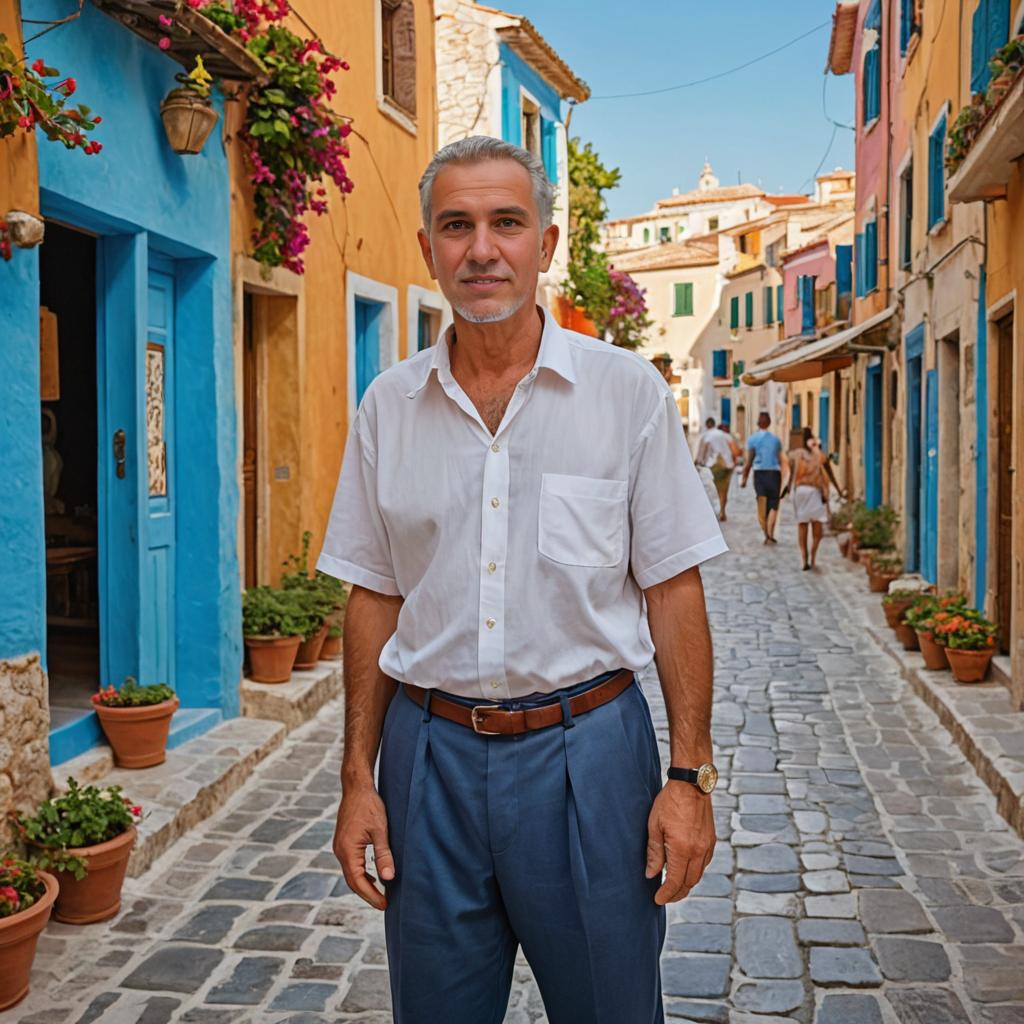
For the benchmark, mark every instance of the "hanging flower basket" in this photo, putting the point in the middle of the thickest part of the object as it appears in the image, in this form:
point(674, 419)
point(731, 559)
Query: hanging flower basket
point(188, 120)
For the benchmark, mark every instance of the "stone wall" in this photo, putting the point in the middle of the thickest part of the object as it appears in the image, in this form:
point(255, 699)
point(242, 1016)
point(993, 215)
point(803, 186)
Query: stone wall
point(24, 737)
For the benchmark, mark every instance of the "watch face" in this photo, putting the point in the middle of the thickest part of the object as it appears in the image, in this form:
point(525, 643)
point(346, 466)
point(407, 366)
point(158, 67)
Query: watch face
point(707, 777)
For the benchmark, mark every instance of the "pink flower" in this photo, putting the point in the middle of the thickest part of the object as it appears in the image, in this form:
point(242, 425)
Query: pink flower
point(165, 43)
point(165, 21)
point(25, 121)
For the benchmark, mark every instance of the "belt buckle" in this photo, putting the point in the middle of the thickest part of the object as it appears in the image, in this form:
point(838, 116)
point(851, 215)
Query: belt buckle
point(481, 709)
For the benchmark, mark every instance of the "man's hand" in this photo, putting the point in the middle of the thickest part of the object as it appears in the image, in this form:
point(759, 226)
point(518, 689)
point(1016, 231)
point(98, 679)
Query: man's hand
point(363, 822)
point(680, 838)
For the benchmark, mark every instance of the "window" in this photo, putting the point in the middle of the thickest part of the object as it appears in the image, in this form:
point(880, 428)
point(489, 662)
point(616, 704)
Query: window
point(858, 255)
point(796, 416)
point(748, 310)
point(937, 174)
point(771, 254)
point(368, 323)
point(720, 363)
point(779, 302)
point(683, 299)
point(908, 23)
point(871, 78)
point(734, 312)
point(990, 28)
point(427, 327)
point(665, 234)
point(680, 230)
point(906, 214)
point(531, 130)
point(738, 367)
point(768, 318)
point(647, 235)
point(398, 53)
point(712, 223)
point(870, 256)
point(743, 243)
point(805, 292)
point(844, 280)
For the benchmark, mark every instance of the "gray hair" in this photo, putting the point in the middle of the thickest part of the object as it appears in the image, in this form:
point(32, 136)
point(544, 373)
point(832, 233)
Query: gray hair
point(482, 147)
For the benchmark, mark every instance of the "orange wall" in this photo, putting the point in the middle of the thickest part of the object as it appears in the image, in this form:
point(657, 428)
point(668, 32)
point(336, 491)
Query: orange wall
point(19, 171)
point(371, 232)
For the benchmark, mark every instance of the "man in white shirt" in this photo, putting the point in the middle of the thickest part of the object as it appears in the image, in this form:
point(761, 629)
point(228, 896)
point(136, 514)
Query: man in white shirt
point(523, 525)
point(716, 452)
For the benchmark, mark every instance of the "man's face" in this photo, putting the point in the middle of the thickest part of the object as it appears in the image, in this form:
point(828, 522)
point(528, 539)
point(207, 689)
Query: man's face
point(485, 245)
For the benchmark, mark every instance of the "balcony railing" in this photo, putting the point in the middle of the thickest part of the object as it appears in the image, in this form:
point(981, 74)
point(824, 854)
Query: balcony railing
point(192, 36)
point(989, 164)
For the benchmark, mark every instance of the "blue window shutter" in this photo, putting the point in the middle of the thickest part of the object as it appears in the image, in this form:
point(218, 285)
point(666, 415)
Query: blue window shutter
point(749, 309)
point(548, 150)
point(797, 423)
point(719, 362)
point(858, 251)
point(734, 312)
point(844, 270)
point(873, 18)
point(780, 302)
point(870, 256)
point(726, 416)
point(998, 25)
point(807, 304)
point(906, 23)
point(768, 318)
point(979, 47)
point(937, 174)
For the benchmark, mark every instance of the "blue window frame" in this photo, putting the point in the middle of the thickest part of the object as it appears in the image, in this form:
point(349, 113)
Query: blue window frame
point(908, 23)
point(871, 81)
point(870, 256)
point(368, 318)
point(990, 28)
point(937, 174)
point(720, 363)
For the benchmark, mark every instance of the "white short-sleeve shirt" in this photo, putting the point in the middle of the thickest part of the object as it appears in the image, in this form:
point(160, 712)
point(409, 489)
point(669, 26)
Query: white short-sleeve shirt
point(521, 556)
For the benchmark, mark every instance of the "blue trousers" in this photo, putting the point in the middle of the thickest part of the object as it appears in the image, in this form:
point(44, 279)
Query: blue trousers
point(537, 840)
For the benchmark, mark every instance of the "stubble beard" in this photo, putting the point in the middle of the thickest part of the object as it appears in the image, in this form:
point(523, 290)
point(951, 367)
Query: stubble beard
point(491, 318)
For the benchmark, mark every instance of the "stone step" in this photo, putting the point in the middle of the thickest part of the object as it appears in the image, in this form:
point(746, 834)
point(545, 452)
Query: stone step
point(297, 701)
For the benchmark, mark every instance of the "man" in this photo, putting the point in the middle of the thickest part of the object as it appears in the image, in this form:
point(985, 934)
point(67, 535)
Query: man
point(716, 451)
point(509, 500)
point(767, 459)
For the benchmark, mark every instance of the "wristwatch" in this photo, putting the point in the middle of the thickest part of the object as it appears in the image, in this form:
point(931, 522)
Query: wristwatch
point(705, 778)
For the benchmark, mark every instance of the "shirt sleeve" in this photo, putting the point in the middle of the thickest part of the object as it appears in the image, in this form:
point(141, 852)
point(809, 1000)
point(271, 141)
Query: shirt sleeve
point(672, 523)
point(356, 546)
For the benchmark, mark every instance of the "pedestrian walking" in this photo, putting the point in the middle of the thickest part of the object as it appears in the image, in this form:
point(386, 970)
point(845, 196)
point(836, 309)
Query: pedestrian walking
point(510, 501)
point(811, 474)
point(767, 460)
point(717, 451)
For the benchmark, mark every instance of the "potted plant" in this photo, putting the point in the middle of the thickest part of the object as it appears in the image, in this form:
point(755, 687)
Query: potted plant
point(337, 593)
point(316, 600)
point(970, 642)
point(136, 721)
point(85, 837)
point(895, 603)
point(885, 567)
point(272, 631)
point(187, 113)
point(919, 609)
point(941, 610)
point(27, 895)
point(310, 608)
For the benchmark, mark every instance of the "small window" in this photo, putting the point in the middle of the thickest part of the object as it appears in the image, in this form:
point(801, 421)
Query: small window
point(683, 299)
point(398, 53)
point(870, 256)
point(906, 215)
point(749, 309)
point(779, 299)
point(680, 230)
point(647, 235)
point(908, 23)
point(665, 234)
point(871, 79)
point(771, 254)
point(768, 314)
point(720, 363)
point(712, 223)
point(734, 312)
point(937, 174)
point(743, 243)
point(531, 126)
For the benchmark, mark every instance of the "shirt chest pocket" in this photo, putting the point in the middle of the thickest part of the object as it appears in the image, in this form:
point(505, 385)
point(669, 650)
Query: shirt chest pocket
point(582, 520)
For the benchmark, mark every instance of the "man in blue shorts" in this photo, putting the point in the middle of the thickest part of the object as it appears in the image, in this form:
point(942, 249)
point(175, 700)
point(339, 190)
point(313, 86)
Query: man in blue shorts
point(768, 461)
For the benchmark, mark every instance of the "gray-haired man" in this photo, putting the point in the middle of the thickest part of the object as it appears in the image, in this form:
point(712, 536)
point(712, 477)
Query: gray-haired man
point(508, 500)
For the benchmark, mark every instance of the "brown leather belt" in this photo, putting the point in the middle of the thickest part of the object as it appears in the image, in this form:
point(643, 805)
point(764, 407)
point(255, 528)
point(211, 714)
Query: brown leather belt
point(492, 720)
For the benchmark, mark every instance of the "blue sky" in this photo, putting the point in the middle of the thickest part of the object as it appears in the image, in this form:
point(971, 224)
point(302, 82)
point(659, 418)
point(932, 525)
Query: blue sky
point(764, 123)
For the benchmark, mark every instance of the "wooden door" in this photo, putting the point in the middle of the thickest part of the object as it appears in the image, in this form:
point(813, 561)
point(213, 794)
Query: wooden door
point(1005, 469)
point(250, 445)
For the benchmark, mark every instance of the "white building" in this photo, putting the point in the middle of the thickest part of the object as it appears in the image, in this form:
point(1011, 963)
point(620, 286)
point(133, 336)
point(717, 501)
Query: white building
point(498, 76)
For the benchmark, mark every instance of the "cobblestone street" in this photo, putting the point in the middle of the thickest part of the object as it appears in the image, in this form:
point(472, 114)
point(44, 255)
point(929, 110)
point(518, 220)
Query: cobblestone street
point(862, 874)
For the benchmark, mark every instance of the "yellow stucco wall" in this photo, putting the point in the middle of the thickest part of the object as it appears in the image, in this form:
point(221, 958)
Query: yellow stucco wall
point(19, 171)
point(372, 232)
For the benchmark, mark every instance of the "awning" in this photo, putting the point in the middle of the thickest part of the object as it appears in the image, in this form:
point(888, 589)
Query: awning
point(816, 358)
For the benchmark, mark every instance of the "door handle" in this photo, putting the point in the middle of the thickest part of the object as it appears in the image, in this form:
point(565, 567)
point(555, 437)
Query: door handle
point(120, 440)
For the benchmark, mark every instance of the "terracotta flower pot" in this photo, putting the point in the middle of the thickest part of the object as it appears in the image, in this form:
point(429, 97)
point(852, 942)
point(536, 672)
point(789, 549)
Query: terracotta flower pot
point(894, 612)
point(934, 654)
point(188, 120)
point(844, 541)
point(138, 735)
point(878, 582)
point(331, 649)
point(309, 650)
point(97, 896)
point(969, 666)
point(906, 636)
point(18, 936)
point(271, 658)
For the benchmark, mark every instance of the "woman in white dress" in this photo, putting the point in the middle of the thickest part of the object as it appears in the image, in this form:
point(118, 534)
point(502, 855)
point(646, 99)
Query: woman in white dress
point(811, 475)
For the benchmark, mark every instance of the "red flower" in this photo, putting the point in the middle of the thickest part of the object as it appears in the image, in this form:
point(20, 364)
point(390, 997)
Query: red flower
point(165, 43)
point(137, 810)
point(165, 21)
point(97, 119)
point(26, 121)
point(68, 86)
point(39, 67)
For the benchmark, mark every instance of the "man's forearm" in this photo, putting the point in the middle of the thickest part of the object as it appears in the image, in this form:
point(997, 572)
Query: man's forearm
point(678, 621)
point(370, 620)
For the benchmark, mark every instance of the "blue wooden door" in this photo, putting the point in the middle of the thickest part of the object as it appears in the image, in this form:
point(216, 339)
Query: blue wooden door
point(156, 571)
point(368, 316)
point(913, 501)
point(930, 483)
point(823, 420)
point(726, 416)
point(873, 437)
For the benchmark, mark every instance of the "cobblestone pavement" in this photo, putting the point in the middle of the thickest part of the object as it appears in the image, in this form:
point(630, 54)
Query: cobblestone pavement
point(862, 874)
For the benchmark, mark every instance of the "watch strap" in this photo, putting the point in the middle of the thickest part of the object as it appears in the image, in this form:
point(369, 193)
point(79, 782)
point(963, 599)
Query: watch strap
point(683, 775)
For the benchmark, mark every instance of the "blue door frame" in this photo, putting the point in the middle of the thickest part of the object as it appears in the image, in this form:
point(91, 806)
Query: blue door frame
point(913, 508)
point(823, 420)
point(930, 483)
point(368, 317)
point(873, 436)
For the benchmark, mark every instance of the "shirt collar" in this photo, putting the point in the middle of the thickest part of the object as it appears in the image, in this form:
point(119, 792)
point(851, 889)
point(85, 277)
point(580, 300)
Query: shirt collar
point(554, 354)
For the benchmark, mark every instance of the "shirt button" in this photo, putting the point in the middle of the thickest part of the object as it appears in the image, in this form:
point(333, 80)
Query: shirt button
point(490, 623)
point(495, 503)
point(495, 684)
point(492, 567)
point(495, 447)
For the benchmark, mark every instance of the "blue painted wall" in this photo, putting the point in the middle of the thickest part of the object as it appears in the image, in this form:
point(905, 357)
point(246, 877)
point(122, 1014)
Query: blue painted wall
point(140, 198)
point(516, 74)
